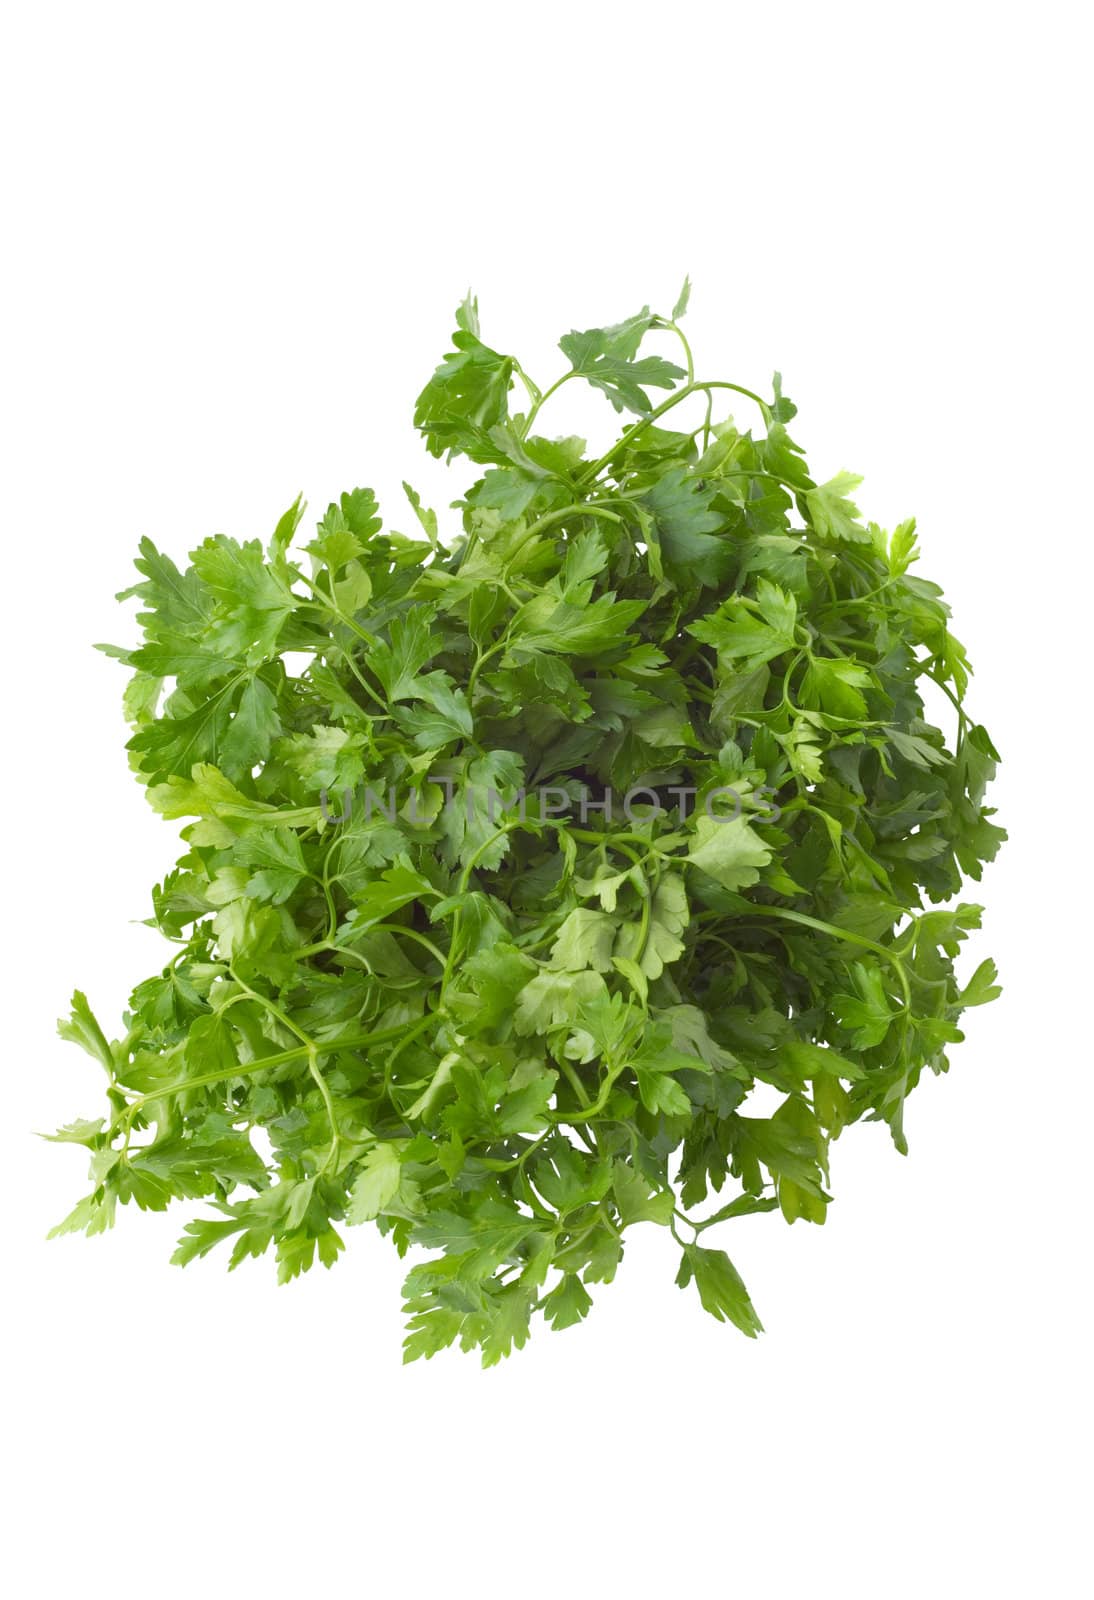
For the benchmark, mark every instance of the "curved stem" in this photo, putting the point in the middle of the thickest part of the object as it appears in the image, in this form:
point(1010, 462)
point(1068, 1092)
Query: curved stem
point(658, 411)
point(675, 328)
point(326, 602)
point(529, 383)
point(575, 1083)
point(245, 1069)
point(461, 888)
point(582, 508)
point(830, 928)
point(312, 1050)
point(361, 679)
point(409, 1037)
point(594, 1110)
point(480, 661)
point(540, 400)
point(962, 714)
point(376, 927)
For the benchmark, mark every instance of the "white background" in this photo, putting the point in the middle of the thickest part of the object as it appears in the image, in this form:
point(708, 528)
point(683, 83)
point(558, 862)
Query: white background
point(235, 237)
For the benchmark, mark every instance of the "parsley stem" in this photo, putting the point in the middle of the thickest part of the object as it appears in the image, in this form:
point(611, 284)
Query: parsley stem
point(377, 927)
point(359, 675)
point(587, 836)
point(837, 933)
point(326, 602)
point(244, 1069)
point(643, 926)
point(675, 328)
point(312, 1058)
point(529, 383)
point(332, 909)
point(480, 661)
point(517, 1161)
point(607, 1083)
point(963, 717)
point(579, 508)
point(575, 1083)
point(628, 434)
point(697, 1226)
point(410, 933)
point(539, 400)
point(706, 423)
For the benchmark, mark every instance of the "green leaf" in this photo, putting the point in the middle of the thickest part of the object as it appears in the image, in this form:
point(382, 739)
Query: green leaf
point(867, 1013)
point(552, 997)
point(279, 858)
point(82, 1028)
point(561, 627)
point(835, 685)
point(607, 358)
point(524, 1111)
point(376, 1184)
point(82, 1132)
point(585, 939)
point(720, 1288)
point(729, 851)
point(396, 886)
point(200, 1237)
point(253, 728)
point(681, 524)
point(654, 947)
point(426, 518)
point(751, 632)
point(982, 987)
point(661, 1093)
point(335, 545)
point(832, 513)
point(178, 602)
point(635, 1202)
point(467, 396)
point(568, 1304)
point(398, 663)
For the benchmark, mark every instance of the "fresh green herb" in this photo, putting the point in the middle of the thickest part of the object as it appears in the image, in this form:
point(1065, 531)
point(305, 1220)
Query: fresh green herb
point(568, 834)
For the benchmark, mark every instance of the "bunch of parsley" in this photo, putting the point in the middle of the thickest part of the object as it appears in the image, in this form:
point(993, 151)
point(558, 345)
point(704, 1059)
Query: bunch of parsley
point(413, 986)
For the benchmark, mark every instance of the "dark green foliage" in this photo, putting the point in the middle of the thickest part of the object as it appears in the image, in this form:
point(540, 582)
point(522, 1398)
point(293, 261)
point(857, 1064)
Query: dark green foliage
point(504, 1030)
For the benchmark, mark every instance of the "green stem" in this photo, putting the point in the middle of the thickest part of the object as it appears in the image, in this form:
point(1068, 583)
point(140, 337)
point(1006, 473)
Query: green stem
point(675, 328)
point(461, 888)
point(312, 1050)
point(575, 1083)
point(350, 1041)
point(326, 602)
point(658, 411)
point(480, 661)
point(377, 927)
point(529, 383)
point(644, 924)
point(597, 1106)
point(845, 934)
point(706, 423)
point(963, 717)
point(582, 508)
point(538, 401)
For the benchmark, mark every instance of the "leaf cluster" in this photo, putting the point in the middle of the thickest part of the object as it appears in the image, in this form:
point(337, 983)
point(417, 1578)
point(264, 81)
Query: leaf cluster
point(403, 992)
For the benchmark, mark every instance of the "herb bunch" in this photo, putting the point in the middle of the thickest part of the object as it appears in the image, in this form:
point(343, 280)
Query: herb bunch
point(404, 993)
